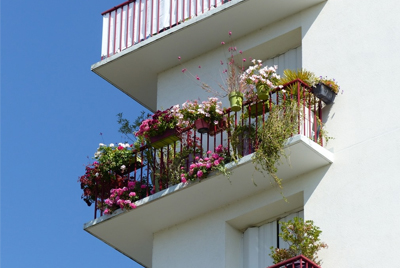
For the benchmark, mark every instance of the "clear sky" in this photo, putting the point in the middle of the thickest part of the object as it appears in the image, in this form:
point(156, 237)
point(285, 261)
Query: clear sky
point(53, 109)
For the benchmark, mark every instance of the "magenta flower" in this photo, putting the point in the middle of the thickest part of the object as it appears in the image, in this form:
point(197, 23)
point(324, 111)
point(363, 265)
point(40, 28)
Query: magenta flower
point(143, 186)
point(197, 77)
point(183, 179)
point(199, 174)
point(179, 57)
point(222, 43)
point(230, 33)
point(133, 205)
point(183, 70)
point(132, 194)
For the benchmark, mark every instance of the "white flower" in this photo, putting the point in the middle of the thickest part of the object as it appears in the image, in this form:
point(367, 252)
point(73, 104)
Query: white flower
point(97, 174)
point(111, 145)
point(101, 145)
point(123, 167)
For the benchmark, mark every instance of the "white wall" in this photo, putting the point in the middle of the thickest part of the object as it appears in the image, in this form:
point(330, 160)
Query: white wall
point(355, 200)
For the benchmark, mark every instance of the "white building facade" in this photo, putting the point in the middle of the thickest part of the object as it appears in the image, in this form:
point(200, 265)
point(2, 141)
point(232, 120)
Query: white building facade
point(348, 187)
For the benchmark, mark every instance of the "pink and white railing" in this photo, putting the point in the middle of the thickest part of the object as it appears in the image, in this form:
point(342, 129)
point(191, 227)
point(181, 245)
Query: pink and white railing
point(154, 175)
point(136, 20)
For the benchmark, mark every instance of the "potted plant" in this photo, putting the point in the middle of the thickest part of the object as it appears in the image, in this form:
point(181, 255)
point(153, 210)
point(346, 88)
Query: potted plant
point(232, 84)
point(263, 79)
point(161, 129)
point(201, 115)
point(302, 238)
point(325, 89)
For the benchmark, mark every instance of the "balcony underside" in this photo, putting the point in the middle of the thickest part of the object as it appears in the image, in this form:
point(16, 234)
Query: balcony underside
point(134, 70)
point(131, 232)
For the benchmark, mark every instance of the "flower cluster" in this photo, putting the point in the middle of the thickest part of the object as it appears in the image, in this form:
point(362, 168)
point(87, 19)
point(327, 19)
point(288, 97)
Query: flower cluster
point(264, 79)
point(329, 82)
point(159, 122)
point(210, 110)
point(201, 167)
point(115, 158)
point(123, 198)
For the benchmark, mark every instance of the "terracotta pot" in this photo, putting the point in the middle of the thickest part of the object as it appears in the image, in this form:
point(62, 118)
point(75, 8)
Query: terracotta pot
point(201, 126)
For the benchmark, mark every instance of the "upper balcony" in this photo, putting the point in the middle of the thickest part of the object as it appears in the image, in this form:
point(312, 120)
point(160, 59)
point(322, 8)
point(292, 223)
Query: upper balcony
point(174, 202)
point(141, 38)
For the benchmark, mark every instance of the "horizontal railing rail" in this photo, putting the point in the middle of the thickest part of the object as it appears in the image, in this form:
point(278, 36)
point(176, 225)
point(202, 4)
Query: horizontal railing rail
point(296, 262)
point(136, 20)
point(159, 168)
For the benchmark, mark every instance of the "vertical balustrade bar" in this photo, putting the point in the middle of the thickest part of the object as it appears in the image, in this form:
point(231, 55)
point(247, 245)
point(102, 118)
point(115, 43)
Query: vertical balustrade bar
point(145, 19)
point(177, 12)
point(127, 26)
point(158, 16)
point(152, 11)
point(120, 28)
point(320, 118)
point(170, 15)
point(140, 18)
point(133, 22)
point(115, 30)
point(109, 35)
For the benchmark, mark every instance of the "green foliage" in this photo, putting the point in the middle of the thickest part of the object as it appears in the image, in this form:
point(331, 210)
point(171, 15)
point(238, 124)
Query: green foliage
point(302, 238)
point(129, 129)
point(282, 122)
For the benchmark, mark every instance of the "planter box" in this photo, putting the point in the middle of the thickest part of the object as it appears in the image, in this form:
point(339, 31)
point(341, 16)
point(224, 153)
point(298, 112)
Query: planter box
point(215, 129)
point(169, 136)
point(324, 93)
point(257, 109)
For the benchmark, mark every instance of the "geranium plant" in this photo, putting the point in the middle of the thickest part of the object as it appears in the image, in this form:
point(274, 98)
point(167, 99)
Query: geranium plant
point(302, 238)
point(202, 166)
point(329, 82)
point(264, 79)
point(159, 122)
point(210, 110)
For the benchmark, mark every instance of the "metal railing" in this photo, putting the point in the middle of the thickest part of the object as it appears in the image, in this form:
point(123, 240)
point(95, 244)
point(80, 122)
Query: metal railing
point(158, 168)
point(296, 262)
point(136, 20)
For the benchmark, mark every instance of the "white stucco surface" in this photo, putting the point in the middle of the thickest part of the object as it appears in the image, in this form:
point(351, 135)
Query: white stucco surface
point(355, 200)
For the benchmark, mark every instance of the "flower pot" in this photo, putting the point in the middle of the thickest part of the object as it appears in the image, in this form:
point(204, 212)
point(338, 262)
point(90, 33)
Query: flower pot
point(262, 92)
point(168, 137)
point(324, 93)
point(257, 109)
point(201, 125)
point(221, 126)
point(236, 100)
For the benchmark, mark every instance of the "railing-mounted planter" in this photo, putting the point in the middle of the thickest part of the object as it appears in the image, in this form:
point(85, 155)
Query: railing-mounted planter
point(168, 137)
point(201, 125)
point(221, 126)
point(324, 93)
point(258, 108)
point(296, 262)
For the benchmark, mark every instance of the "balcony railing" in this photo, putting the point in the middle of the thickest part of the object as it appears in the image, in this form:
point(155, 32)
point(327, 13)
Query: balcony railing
point(136, 20)
point(157, 166)
point(296, 262)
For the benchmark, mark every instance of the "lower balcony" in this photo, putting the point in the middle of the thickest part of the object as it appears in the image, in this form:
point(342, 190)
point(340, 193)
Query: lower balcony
point(165, 201)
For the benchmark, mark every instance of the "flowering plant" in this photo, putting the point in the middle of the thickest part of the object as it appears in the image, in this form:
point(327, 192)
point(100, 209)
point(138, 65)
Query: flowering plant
point(159, 122)
point(201, 167)
point(302, 238)
point(329, 82)
point(264, 79)
point(106, 172)
point(210, 111)
point(124, 197)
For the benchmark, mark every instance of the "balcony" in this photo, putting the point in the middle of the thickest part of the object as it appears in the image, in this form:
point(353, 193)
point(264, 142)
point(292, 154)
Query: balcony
point(296, 262)
point(137, 31)
point(131, 232)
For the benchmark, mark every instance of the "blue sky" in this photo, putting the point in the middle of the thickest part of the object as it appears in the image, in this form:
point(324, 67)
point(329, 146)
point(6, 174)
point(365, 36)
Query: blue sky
point(53, 109)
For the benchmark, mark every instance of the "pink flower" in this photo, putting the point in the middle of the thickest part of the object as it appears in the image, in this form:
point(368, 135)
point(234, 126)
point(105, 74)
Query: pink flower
point(199, 174)
point(183, 70)
point(222, 43)
point(199, 66)
point(216, 162)
point(132, 194)
point(133, 205)
point(179, 57)
point(120, 148)
point(106, 211)
point(244, 60)
point(241, 52)
point(230, 33)
point(143, 186)
point(197, 77)
point(183, 180)
point(222, 63)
